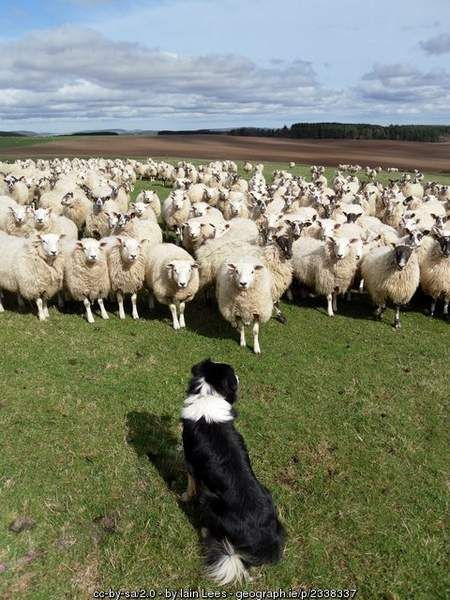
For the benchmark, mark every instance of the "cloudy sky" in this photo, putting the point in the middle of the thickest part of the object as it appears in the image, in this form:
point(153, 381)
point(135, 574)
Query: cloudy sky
point(152, 64)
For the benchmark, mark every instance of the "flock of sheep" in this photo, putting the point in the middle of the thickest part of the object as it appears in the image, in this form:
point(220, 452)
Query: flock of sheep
point(68, 229)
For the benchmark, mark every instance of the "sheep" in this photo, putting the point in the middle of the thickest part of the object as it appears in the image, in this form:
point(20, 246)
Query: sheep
point(126, 264)
point(171, 276)
point(435, 268)
point(196, 231)
point(151, 199)
point(327, 267)
point(176, 210)
point(76, 207)
point(43, 221)
point(97, 222)
point(86, 275)
point(16, 222)
point(147, 229)
point(143, 211)
point(33, 268)
point(391, 273)
point(244, 296)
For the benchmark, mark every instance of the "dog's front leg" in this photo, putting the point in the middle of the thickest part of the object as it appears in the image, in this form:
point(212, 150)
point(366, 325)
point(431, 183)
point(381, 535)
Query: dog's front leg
point(191, 491)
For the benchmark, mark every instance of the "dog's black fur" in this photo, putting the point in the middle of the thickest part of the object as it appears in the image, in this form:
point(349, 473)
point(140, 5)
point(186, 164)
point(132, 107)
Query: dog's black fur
point(235, 506)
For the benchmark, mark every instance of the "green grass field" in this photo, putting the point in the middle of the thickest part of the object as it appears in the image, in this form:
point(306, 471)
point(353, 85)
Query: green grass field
point(345, 420)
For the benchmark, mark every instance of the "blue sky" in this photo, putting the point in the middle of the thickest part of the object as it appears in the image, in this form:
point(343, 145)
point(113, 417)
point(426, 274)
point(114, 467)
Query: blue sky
point(78, 64)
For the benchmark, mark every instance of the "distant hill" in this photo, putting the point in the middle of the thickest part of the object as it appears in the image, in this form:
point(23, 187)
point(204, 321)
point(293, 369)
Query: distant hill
point(194, 131)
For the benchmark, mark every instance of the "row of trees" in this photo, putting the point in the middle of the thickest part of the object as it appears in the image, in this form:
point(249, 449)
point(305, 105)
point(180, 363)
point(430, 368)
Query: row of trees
point(351, 131)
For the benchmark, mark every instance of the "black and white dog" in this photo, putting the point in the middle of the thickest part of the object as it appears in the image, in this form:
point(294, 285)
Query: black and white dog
point(240, 519)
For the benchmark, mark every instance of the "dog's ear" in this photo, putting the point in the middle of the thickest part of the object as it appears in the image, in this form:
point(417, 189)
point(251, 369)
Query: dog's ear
point(200, 368)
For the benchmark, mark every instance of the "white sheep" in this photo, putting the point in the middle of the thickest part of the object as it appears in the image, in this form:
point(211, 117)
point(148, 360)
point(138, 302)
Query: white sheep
point(76, 207)
point(171, 275)
point(435, 268)
point(176, 210)
point(17, 222)
point(244, 296)
point(126, 264)
point(86, 275)
point(391, 273)
point(44, 221)
point(328, 268)
point(32, 268)
point(151, 199)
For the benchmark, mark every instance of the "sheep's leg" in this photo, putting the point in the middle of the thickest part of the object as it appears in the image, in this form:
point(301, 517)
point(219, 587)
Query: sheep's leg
point(278, 314)
point(289, 295)
point(361, 286)
point(134, 306)
point(433, 307)
point(60, 298)
point(348, 296)
point(256, 347)
point(2, 309)
point(446, 303)
point(241, 327)
point(330, 305)
point(87, 305)
point(41, 313)
point(191, 491)
point(151, 301)
point(103, 312)
point(397, 323)
point(45, 308)
point(20, 303)
point(182, 307)
point(380, 312)
point(173, 310)
point(120, 303)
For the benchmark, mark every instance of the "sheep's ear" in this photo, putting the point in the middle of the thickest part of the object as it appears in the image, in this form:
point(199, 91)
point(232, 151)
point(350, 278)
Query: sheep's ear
point(195, 266)
point(102, 244)
point(143, 241)
point(337, 226)
point(62, 235)
point(231, 267)
point(354, 240)
point(79, 244)
point(170, 266)
point(119, 241)
point(259, 267)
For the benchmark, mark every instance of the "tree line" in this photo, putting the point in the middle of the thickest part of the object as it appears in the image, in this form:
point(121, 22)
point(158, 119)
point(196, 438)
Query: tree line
point(351, 131)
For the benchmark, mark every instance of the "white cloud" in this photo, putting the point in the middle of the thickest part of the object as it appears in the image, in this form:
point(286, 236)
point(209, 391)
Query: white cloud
point(73, 74)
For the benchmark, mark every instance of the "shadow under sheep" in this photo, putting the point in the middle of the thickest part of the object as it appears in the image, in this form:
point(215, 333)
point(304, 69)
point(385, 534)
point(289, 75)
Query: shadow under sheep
point(152, 436)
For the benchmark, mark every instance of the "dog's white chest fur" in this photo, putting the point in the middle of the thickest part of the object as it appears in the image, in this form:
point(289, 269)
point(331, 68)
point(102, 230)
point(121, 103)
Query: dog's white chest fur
point(207, 404)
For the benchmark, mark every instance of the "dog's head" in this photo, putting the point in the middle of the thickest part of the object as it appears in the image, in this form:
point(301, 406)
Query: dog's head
point(220, 376)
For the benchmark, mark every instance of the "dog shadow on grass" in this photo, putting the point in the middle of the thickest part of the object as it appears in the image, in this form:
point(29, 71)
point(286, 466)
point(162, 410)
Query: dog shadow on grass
point(153, 436)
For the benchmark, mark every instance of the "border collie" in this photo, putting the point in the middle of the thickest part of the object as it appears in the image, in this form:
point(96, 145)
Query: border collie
point(241, 527)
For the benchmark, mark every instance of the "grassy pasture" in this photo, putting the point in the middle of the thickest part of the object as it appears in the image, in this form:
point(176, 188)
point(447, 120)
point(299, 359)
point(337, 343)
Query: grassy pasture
point(344, 419)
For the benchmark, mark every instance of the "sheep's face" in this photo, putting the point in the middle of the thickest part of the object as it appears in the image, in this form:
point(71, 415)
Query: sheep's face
point(99, 202)
point(19, 214)
point(444, 244)
point(92, 249)
point(180, 272)
point(178, 201)
point(41, 217)
point(358, 248)
point(236, 207)
point(193, 230)
point(113, 220)
point(351, 216)
point(339, 246)
point(67, 199)
point(284, 240)
point(326, 227)
point(200, 209)
point(402, 254)
point(148, 197)
point(48, 245)
point(244, 274)
point(139, 208)
point(130, 249)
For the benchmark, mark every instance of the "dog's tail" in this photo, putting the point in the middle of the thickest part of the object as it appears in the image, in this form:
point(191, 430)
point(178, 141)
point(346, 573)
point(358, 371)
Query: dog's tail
point(224, 564)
